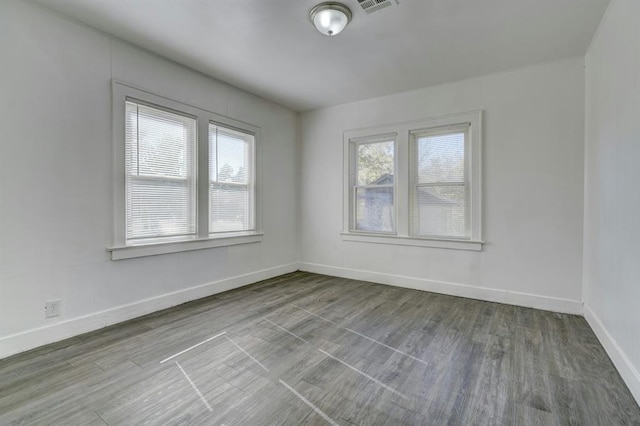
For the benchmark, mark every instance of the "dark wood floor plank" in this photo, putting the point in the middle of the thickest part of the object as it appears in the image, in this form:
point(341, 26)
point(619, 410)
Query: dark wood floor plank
point(492, 389)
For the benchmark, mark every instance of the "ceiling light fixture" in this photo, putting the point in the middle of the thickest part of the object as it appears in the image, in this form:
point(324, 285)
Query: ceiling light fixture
point(330, 18)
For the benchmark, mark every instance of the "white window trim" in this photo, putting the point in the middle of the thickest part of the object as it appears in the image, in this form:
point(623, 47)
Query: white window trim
point(119, 250)
point(413, 241)
point(402, 182)
point(128, 252)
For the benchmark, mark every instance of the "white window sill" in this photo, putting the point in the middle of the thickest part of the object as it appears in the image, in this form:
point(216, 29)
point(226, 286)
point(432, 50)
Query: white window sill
point(410, 241)
point(153, 249)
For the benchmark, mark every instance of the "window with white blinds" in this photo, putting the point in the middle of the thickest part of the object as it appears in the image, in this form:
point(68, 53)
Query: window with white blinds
point(416, 183)
point(439, 187)
point(160, 149)
point(231, 171)
point(185, 178)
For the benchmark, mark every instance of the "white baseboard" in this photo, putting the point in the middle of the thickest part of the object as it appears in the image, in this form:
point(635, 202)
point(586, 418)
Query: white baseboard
point(481, 293)
point(30, 339)
point(625, 367)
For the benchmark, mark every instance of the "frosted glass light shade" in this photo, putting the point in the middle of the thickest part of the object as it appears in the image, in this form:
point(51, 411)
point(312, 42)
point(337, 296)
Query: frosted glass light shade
point(330, 18)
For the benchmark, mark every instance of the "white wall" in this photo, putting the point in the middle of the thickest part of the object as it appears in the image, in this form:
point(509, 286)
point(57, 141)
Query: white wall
point(56, 182)
point(612, 195)
point(533, 190)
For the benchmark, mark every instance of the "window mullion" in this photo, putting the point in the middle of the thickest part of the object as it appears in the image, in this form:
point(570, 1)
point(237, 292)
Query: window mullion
point(203, 177)
point(352, 169)
point(401, 192)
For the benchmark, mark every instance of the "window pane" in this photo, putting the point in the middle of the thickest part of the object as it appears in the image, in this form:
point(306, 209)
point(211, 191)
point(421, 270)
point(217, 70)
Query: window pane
point(375, 163)
point(440, 211)
point(160, 173)
point(231, 193)
point(158, 209)
point(229, 208)
point(228, 155)
point(163, 142)
point(441, 158)
point(374, 209)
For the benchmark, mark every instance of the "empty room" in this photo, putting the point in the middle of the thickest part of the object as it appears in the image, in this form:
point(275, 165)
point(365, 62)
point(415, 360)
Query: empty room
point(285, 212)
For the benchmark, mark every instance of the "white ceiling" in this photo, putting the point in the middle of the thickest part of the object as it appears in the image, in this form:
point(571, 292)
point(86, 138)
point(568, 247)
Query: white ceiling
point(270, 48)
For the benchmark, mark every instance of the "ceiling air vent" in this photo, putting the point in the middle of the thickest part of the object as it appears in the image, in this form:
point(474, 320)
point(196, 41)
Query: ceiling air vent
point(371, 6)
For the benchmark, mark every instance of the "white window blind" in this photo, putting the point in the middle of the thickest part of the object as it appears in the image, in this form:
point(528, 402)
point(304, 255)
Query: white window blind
point(231, 176)
point(373, 185)
point(439, 184)
point(160, 149)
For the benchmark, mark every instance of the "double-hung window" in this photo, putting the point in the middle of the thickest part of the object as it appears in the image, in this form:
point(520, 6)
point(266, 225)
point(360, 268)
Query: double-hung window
point(415, 183)
point(373, 184)
point(160, 148)
point(185, 178)
point(439, 185)
point(231, 189)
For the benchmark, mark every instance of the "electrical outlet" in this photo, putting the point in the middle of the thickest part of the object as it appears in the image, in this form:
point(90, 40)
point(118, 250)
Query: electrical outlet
point(52, 308)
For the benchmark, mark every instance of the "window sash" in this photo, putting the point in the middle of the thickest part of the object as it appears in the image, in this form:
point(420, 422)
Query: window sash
point(391, 211)
point(221, 218)
point(416, 224)
point(354, 160)
point(415, 217)
point(143, 222)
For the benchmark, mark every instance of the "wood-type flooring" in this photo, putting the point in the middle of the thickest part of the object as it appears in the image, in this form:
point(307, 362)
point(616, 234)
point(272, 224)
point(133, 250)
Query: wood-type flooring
point(311, 349)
